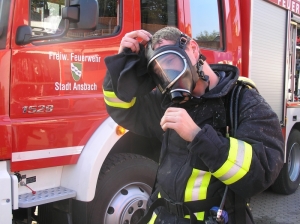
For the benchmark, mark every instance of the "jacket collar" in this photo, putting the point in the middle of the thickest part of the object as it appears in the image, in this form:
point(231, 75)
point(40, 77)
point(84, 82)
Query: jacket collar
point(229, 75)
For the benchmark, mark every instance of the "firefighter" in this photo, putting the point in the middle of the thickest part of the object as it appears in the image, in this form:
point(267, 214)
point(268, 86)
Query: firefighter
point(188, 111)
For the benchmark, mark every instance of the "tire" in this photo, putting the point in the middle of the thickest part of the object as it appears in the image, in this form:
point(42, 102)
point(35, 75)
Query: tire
point(289, 177)
point(123, 188)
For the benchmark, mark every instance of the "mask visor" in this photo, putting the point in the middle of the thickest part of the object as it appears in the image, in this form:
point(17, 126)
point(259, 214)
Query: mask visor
point(166, 68)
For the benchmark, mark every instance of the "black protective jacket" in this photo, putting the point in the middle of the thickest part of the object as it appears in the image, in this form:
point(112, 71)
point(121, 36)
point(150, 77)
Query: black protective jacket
point(200, 170)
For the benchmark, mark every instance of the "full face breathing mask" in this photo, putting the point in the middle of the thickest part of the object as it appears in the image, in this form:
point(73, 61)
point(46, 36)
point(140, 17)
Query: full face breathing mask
point(172, 70)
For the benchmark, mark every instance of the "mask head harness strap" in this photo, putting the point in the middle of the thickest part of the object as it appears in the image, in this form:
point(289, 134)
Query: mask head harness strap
point(200, 64)
point(183, 39)
point(200, 72)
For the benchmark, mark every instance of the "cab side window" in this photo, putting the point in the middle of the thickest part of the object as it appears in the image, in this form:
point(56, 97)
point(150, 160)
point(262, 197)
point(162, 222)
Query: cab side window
point(109, 21)
point(206, 23)
point(156, 14)
point(45, 19)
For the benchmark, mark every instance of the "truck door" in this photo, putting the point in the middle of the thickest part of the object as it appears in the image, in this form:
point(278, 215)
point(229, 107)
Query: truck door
point(56, 85)
point(5, 131)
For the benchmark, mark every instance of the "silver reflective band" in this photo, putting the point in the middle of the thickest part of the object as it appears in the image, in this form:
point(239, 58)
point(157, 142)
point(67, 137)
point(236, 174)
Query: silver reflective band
point(180, 90)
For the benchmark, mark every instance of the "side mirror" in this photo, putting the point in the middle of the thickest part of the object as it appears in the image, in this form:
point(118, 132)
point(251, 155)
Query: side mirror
point(24, 34)
point(89, 14)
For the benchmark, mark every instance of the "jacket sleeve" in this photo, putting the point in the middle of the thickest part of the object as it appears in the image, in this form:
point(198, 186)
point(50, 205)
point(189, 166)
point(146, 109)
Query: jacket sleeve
point(140, 115)
point(250, 162)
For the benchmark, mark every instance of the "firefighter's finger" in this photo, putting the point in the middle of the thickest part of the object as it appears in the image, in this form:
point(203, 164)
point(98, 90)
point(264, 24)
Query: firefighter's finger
point(139, 35)
point(145, 36)
point(185, 131)
point(132, 39)
point(179, 120)
point(128, 42)
point(167, 118)
point(131, 43)
point(170, 115)
point(174, 111)
point(174, 119)
point(169, 125)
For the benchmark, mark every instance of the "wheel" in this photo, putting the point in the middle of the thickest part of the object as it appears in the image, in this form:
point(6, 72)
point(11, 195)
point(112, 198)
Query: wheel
point(289, 177)
point(123, 188)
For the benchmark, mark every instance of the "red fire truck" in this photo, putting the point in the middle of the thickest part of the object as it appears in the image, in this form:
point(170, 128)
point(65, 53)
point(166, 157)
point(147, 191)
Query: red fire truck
point(62, 158)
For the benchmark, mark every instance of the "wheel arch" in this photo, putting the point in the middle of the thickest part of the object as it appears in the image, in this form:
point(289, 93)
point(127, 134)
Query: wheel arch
point(292, 115)
point(82, 177)
point(133, 143)
point(295, 126)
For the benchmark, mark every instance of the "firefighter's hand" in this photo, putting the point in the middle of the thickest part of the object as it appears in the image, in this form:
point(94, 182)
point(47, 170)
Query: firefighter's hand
point(132, 39)
point(179, 120)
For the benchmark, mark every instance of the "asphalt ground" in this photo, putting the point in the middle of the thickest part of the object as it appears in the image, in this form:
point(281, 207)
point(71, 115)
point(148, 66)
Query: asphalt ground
point(271, 208)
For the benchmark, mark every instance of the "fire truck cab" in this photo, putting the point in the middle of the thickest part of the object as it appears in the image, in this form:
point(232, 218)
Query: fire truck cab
point(62, 158)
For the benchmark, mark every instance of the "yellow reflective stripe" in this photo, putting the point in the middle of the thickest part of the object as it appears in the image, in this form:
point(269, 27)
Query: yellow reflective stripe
point(190, 185)
point(196, 189)
point(154, 216)
point(245, 167)
point(152, 220)
point(112, 100)
point(120, 105)
point(231, 157)
point(237, 164)
point(199, 216)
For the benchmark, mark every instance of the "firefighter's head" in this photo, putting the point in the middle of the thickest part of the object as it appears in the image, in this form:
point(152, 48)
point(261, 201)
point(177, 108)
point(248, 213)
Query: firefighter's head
point(173, 62)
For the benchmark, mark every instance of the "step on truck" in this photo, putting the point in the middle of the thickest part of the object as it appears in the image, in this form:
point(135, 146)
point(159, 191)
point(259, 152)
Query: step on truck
point(62, 158)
